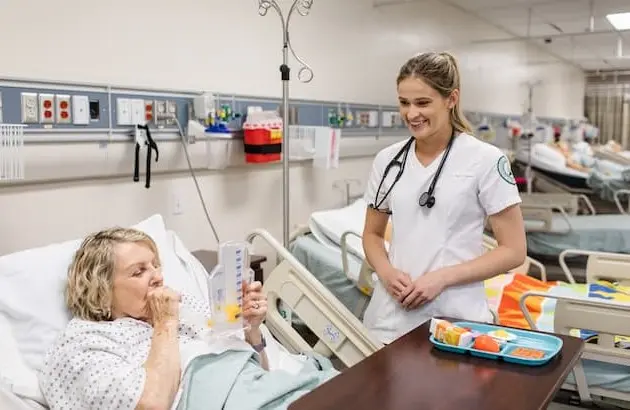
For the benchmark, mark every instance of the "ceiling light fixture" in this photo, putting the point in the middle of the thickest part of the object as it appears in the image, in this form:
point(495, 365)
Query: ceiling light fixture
point(620, 21)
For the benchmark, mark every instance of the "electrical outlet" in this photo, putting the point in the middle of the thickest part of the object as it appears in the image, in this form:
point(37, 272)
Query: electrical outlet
point(29, 108)
point(137, 112)
point(80, 110)
point(171, 110)
point(63, 109)
point(46, 108)
point(148, 111)
point(159, 110)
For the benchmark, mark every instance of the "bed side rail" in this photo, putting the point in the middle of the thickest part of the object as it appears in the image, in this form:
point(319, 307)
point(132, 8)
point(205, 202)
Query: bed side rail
point(336, 327)
point(617, 197)
point(610, 266)
point(544, 214)
point(606, 318)
point(365, 282)
point(568, 202)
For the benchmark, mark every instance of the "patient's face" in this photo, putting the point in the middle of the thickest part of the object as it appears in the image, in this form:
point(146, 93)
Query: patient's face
point(134, 274)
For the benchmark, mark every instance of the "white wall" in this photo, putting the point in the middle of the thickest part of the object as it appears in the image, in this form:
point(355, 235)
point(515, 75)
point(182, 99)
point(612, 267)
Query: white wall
point(355, 51)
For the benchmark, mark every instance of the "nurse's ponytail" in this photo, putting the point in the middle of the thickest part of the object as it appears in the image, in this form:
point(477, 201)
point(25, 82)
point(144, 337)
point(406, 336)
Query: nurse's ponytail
point(440, 71)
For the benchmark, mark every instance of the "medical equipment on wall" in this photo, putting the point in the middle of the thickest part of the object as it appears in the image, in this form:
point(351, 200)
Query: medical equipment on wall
point(143, 137)
point(262, 136)
point(305, 74)
point(400, 159)
point(321, 144)
point(226, 284)
point(327, 142)
point(11, 152)
point(485, 132)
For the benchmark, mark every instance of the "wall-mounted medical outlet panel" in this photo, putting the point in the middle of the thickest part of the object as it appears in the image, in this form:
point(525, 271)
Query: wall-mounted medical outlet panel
point(74, 106)
point(97, 109)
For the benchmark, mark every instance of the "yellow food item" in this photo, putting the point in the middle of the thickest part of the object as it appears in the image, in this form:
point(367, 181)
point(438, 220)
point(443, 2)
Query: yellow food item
point(446, 332)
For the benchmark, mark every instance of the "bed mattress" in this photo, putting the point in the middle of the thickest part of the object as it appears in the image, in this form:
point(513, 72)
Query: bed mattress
point(604, 233)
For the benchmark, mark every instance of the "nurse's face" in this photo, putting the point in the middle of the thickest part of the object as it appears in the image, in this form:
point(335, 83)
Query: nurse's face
point(423, 108)
point(134, 274)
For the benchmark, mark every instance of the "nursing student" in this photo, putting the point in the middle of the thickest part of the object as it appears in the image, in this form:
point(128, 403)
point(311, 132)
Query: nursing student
point(438, 187)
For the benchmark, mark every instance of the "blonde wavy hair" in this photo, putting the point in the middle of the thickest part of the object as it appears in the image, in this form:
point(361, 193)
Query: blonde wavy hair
point(89, 292)
point(441, 72)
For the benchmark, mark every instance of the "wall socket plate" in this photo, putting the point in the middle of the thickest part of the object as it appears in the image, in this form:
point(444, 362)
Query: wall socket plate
point(30, 110)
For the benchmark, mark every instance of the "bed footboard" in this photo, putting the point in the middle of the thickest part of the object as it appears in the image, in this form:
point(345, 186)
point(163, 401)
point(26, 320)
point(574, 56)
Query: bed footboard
point(336, 327)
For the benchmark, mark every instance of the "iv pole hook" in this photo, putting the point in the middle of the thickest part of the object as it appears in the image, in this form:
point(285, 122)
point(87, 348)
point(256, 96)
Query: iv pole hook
point(305, 75)
point(303, 7)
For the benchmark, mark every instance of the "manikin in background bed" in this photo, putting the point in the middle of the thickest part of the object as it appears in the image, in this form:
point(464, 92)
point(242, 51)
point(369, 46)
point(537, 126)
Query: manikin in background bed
point(127, 346)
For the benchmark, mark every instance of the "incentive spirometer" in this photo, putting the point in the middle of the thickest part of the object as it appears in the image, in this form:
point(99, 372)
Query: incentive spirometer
point(225, 286)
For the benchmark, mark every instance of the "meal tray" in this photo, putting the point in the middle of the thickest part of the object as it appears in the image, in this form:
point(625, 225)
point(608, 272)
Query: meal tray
point(549, 344)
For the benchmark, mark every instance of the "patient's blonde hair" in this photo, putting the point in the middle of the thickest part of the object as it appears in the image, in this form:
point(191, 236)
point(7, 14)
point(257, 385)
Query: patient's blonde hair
point(91, 273)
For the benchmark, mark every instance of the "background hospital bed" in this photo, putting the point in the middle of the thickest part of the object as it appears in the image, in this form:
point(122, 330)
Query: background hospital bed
point(621, 158)
point(552, 228)
point(604, 369)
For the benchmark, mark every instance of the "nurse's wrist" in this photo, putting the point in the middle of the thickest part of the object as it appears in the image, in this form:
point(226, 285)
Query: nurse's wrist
point(450, 276)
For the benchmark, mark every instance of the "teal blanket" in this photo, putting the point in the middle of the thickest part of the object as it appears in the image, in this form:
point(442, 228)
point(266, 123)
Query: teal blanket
point(235, 380)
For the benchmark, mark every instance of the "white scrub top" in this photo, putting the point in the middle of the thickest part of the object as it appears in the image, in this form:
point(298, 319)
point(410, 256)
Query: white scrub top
point(476, 181)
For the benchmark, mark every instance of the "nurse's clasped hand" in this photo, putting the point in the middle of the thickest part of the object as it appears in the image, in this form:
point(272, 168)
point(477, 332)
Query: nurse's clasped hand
point(424, 289)
point(397, 283)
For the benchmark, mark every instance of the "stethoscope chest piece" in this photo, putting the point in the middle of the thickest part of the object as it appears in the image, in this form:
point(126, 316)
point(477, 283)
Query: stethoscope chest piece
point(426, 199)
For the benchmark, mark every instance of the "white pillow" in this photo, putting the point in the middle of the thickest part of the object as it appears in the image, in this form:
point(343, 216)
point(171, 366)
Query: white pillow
point(32, 284)
point(15, 375)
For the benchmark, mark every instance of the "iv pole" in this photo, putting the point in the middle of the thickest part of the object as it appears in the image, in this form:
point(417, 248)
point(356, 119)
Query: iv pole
point(305, 75)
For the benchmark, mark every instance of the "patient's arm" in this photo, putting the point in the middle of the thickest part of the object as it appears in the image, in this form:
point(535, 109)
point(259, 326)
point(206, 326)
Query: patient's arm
point(574, 165)
point(162, 368)
point(254, 337)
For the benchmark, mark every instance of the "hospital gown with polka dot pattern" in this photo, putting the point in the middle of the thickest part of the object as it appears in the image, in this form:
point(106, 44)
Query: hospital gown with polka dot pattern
point(99, 365)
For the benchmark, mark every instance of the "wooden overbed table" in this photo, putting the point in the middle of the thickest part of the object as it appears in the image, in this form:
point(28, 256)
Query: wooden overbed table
point(410, 374)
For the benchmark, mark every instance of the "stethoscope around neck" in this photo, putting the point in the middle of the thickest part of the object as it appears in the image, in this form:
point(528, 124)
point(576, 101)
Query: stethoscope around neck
point(427, 198)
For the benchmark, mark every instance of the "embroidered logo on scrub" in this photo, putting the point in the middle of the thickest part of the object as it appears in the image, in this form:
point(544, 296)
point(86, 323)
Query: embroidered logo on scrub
point(505, 170)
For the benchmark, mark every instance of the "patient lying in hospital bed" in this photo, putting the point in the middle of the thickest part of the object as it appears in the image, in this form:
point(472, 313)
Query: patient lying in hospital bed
point(34, 324)
point(129, 346)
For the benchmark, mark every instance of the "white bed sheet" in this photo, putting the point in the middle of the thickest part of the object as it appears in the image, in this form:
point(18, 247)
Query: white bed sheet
point(546, 158)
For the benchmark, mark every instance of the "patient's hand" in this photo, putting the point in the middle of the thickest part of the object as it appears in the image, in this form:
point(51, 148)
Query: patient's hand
point(254, 304)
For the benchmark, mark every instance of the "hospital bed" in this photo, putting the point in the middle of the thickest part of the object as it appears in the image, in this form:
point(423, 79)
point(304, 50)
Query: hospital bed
point(552, 229)
point(33, 313)
point(549, 170)
point(604, 152)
